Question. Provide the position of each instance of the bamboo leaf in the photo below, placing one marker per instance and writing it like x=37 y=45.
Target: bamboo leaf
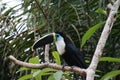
x=7 y=12
x=51 y=77
x=34 y=60
x=109 y=59
x=110 y=75
x=36 y=73
x=23 y=68
x=58 y=75
x=29 y=76
x=57 y=57
x=90 y=32
x=101 y=11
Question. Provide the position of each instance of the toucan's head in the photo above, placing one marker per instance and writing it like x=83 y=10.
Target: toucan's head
x=49 y=38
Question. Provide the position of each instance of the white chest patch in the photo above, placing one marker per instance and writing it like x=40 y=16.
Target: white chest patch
x=60 y=44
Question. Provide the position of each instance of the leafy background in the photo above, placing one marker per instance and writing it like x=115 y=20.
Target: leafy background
x=81 y=20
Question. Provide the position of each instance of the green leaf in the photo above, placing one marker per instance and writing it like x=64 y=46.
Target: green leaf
x=36 y=73
x=34 y=60
x=87 y=61
x=57 y=57
x=98 y=71
x=76 y=30
x=58 y=75
x=7 y=12
x=67 y=77
x=23 y=68
x=110 y=59
x=29 y=76
x=90 y=32
x=43 y=72
x=101 y=11
x=110 y=75
x=40 y=1
x=51 y=77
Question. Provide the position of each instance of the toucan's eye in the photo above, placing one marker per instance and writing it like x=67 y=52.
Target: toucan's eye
x=57 y=35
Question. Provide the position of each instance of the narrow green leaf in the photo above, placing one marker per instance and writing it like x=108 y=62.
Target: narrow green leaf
x=29 y=76
x=109 y=59
x=90 y=32
x=76 y=30
x=34 y=60
x=101 y=11
x=36 y=73
x=57 y=57
x=110 y=75
x=67 y=77
x=7 y=12
x=58 y=75
x=98 y=71
x=43 y=71
x=51 y=77
x=10 y=10
x=40 y=1
x=23 y=69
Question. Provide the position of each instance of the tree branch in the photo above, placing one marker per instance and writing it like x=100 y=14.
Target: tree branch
x=45 y=65
x=100 y=46
x=37 y=2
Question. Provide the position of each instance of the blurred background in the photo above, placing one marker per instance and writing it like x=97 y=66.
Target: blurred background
x=22 y=22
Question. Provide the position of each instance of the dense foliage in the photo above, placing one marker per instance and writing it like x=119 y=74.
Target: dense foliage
x=81 y=20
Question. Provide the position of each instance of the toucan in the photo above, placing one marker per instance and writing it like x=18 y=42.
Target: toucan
x=66 y=49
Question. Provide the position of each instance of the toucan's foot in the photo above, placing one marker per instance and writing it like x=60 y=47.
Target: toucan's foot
x=72 y=67
x=63 y=67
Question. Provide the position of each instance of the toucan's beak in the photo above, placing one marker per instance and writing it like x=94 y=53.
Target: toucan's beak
x=44 y=40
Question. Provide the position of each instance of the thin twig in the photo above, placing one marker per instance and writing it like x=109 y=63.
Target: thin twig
x=37 y=2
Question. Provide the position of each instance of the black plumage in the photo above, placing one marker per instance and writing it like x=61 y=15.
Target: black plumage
x=72 y=55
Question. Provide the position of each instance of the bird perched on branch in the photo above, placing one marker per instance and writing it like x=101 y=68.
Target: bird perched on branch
x=66 y=49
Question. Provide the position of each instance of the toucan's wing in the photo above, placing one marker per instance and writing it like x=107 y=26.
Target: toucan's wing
x=75 y=57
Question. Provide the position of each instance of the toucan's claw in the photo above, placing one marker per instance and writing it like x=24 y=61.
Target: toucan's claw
x=63 y=67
